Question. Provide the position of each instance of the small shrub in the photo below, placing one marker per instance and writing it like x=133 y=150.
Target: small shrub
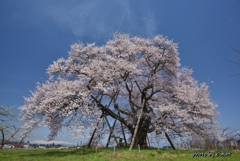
x=159 y=152
x=152 y=154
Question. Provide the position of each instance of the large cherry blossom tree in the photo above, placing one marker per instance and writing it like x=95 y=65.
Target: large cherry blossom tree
x=133 y=80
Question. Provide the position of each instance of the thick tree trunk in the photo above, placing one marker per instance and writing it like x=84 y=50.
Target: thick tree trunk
x=140 y=138
x=143 y=141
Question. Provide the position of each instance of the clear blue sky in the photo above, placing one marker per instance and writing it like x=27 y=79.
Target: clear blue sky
x=35 y=33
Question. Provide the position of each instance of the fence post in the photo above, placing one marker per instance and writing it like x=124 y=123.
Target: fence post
x=227 y=145
x=232 y=144
x=178 y=146
x=138 y=148
x=236 y=145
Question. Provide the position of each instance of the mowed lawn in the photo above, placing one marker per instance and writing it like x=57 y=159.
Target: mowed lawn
x=107 y=155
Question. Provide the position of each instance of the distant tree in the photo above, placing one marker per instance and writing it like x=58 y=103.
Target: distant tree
x=133 y=80
x=218 y=137
x=7 y=130
x=230 y=134
x=234 y=62
x=6 y=112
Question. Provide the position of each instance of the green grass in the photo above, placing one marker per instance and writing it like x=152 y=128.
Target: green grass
x=107 y=155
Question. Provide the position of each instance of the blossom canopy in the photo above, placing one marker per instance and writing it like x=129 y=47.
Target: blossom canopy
x=117 y=80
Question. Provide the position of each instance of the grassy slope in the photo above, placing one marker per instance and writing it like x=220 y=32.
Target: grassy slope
x=107 y=155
